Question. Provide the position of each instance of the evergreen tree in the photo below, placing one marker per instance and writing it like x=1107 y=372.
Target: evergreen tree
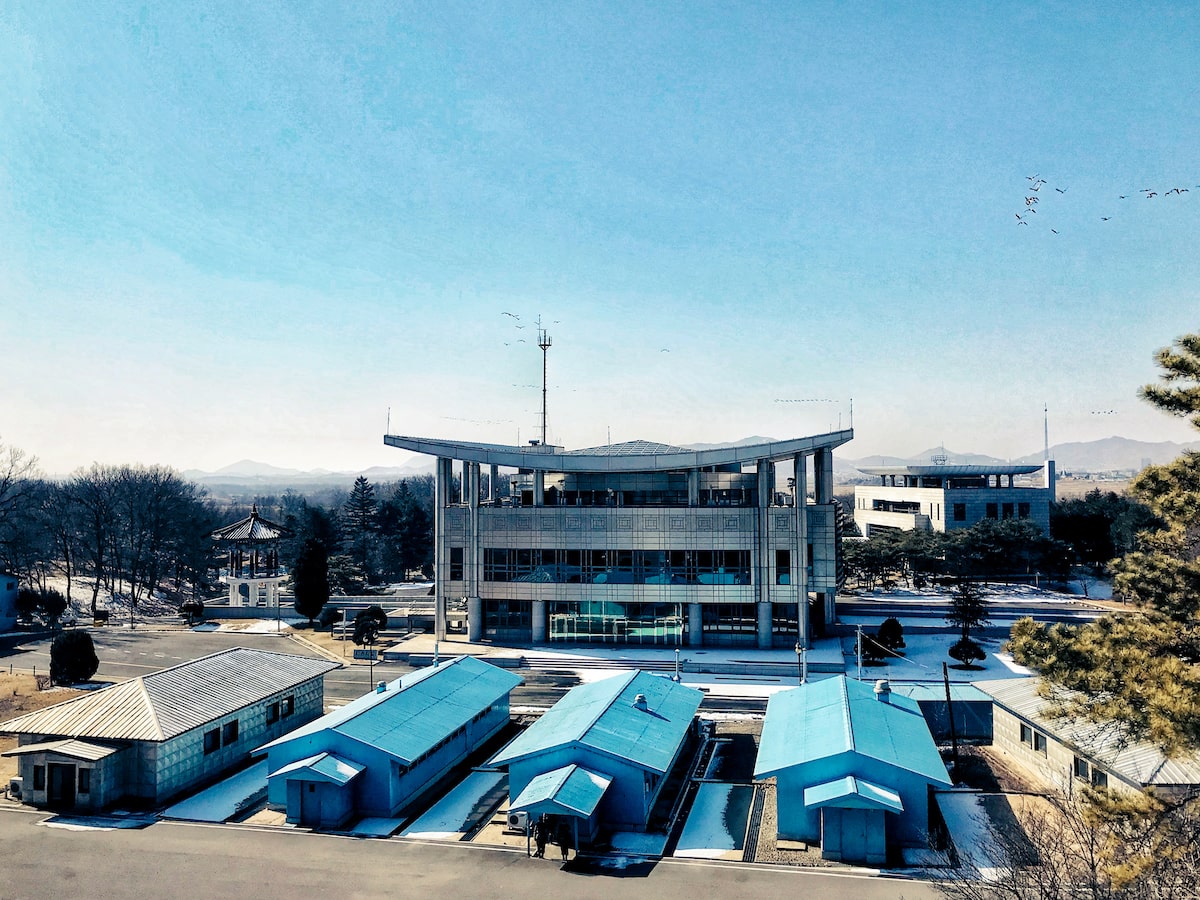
x=72 y=658
x=310 y=580
x=968 y=607
x=1141 y=671
x=358 y=522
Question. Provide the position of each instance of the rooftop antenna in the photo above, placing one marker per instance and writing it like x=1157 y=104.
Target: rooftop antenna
x=544 y=343
x=389 y=421
x=939 y=458
x=1046 y=431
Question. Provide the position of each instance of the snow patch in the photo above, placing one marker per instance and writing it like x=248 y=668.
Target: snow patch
x=225 y=799
x=453 y=814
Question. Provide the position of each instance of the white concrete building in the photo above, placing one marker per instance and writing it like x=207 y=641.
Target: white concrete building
x=8 y=601
x=637 y=542
x=950 y=497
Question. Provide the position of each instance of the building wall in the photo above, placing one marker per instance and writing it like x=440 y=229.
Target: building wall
x=107 y=777
x=8 y=601
x=1053 y=766
x=630 y=528
x=937 y=506
x=387 y=785
x=628 y=800
x=797 y=822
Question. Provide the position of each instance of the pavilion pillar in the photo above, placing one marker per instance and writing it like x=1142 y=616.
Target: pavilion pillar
x=539 y=488
x=538 y=618
x=695 y=614
x=443 y=478
x=693 y=487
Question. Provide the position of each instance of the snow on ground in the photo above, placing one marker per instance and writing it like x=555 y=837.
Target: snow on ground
x=224 y=799
x=1019 y=593
x=376 y=827
x=648 y=843
x=454 y=813
x=709 y=831
x=970 y=828
x=923 y=658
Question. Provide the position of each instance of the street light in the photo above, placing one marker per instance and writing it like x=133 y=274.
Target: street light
x=676 y=665
x=802 y=662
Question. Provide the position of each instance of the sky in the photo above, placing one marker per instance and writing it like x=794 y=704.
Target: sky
x=278 y=231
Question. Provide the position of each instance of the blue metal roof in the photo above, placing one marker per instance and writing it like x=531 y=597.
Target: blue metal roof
x=416 y=710
x=840 y=715
x=570 y=790
x=923 y=691
x=853 y=793
x=602 y=715
x=322 y=767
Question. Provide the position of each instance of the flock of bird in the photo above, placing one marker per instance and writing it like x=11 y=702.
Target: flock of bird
x=1034 y=197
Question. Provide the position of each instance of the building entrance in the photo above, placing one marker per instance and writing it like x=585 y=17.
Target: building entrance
x=604 y=621
x=60 y=786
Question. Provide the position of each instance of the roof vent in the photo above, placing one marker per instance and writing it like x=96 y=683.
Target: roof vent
x=381 y=688
x=883 y=690
x=639 y=702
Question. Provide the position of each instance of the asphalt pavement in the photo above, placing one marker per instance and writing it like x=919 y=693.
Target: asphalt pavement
x=184 y=860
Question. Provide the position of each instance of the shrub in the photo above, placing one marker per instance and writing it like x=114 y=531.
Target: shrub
x=72 y=658
x=891 y=634
x=966 y=651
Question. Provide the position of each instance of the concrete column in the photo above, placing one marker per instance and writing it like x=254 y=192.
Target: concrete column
x=493 y=477
x=693 y=477
x=695 y=625
x=442 y=479
x=800 y=549
x=761 y=556
x=539 y=488
x=539 y=621
x=472 y=562
x=764 y=625
x=823 y=475
x=474 y=620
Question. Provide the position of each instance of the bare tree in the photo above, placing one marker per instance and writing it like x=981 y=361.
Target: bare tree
x=18 y=471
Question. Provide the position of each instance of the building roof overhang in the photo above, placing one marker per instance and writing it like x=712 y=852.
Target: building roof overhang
x=549 y=458
x=949 y=471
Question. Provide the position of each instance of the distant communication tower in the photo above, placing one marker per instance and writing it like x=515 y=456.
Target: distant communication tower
x=939 y=458
x=544 y=343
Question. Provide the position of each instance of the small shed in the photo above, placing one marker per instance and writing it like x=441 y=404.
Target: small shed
x=854 y=765
x=600 y=756
x=147 y=740
x=972 y=709
x=379 y=753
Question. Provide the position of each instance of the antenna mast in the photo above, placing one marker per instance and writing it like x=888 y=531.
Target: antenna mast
x=544 y=343
x=1046 y=430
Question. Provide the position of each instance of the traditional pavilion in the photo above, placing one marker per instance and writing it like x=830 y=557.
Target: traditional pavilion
x=252 y=570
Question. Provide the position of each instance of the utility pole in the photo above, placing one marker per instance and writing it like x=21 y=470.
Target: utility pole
x=858 y=649
x=544 y=343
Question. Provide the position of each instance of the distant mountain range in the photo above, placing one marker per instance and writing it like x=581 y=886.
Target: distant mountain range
x=1111 y=454
x=1107 y=455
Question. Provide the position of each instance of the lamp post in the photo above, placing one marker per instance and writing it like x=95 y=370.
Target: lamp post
x=676 y=665
x=802 y=662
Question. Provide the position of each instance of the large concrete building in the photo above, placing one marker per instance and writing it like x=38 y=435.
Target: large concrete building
x=949 y=497
x=637 y=542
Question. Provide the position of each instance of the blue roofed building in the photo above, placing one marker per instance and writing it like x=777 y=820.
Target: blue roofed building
x=600 y=756
x=854 y=766
x=379 y=753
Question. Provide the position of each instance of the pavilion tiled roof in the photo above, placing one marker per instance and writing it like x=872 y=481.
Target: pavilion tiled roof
x=251 y=530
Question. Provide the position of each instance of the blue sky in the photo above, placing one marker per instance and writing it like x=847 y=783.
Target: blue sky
x=249 y=230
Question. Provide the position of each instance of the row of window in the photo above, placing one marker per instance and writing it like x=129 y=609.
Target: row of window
x=1081 y=769
x=84 y=780
x=610 y=566
x=224 y=735
x=994 y=511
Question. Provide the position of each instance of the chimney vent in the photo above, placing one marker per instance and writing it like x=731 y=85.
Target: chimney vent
x=381 y=688
x=640 y=702
x=883 y=690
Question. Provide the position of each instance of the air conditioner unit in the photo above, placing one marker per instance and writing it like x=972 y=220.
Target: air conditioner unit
x=518 y=821
x=16 y=787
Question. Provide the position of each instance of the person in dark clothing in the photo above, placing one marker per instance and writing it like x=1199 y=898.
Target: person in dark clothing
x=564 y=838
x=539 y=837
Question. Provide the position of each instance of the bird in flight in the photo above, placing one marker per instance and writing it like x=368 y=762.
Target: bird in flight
x=1054 y=230
x=1105 y=218
x=514 y=315
x=1061 y=190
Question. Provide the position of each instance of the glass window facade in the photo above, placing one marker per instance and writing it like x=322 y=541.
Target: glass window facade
x=510 y=620
x=729 y=624
x=551 y=566
x=625 y=623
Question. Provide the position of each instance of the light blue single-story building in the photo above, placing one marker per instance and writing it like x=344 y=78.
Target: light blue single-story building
x=600 y=756
x=854 y=765
x=378 y=754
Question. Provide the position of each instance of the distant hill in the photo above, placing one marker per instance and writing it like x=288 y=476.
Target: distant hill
x=1111 y=454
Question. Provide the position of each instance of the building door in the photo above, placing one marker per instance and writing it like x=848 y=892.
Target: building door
x=310 y=805
x=60 y=786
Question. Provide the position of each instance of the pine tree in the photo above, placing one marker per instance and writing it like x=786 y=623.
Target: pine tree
x=359 y=514
x=1141 y=671
x=310 y=580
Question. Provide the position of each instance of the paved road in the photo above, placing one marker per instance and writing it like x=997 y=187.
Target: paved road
x=177 y=860
x=124 y=654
